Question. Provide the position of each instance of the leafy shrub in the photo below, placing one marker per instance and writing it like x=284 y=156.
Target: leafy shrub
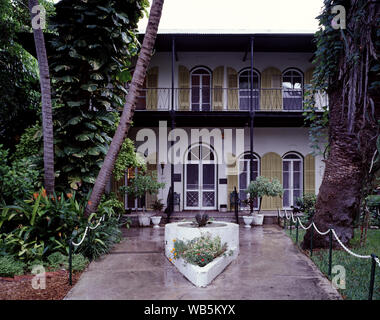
x=17 y=179
x=262 y=186
x=10 y=267
x=56 y=260
x=306 y=203
x=78 y=263
x=199 y=251
x=30 y=143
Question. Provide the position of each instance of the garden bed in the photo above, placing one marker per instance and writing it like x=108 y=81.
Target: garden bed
x=20 y=287
x=357 y=270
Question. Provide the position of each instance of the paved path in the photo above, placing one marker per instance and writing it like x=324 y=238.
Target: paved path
x=269 y=266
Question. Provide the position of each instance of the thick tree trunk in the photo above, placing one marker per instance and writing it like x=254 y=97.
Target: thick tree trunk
x=47 y=117
x=129 y=107
x=339 y=195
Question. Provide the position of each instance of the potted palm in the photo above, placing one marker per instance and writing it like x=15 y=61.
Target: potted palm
x=138 y=187
x=259 y=188
x=157 y=207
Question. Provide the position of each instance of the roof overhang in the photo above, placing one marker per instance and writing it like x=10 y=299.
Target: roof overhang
x=263 y=42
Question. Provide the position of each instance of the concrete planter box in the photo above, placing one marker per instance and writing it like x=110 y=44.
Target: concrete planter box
x=258 y=219
x=144 y=219
x=202 y=276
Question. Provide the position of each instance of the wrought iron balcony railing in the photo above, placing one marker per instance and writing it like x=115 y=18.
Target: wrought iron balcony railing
x=220 y=99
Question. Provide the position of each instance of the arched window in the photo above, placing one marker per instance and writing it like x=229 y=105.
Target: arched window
x=245 y=89
x=292 y=89
x=244 y=176
x=200 y=89
x=200 y=178
x=292 y=178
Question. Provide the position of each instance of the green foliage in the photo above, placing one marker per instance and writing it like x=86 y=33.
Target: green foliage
x=93 y=47
x=307 y=205
x=57 y=260
x=10 y=267
x=127 y=158
x=141 y=184
x=357 y=270
x=157 y=205
x=199 y=251
x=30 y=144
x=262 y=187
x=17 y=179
x=101 y=240
x=111 y=202
x=79 y=262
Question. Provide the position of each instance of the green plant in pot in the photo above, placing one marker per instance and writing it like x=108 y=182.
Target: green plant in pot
x=262 y=187
x=157 y=207
x=138 y=187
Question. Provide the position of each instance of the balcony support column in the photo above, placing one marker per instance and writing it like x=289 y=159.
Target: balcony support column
x=172 y=117
x=251 y=117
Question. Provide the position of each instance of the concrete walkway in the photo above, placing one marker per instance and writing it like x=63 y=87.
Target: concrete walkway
x=269 y=266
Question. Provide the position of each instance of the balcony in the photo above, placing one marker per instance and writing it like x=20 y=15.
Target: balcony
x=220 y=99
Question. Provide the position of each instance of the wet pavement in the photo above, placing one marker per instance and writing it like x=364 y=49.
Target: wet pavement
x=269 y=266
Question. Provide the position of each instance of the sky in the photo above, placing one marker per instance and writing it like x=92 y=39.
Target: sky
x=251 y=16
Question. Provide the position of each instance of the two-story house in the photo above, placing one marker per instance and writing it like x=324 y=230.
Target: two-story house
x=247 y=91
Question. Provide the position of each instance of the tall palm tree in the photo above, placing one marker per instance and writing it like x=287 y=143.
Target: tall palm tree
x=47 y=117
x=129 y=106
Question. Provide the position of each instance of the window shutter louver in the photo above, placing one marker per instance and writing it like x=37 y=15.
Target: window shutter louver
x=152 y=85
x=271 y=94
x=309 y=174
x=184 y=88
x=271 y=167
x=233 y=89
x=217 y=81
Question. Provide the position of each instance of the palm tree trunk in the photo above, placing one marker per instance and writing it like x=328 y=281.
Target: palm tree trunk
x=47 y=117
x=129 y=107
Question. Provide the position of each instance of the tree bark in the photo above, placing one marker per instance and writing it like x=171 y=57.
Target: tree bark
x=129 y=107
x=47 y=117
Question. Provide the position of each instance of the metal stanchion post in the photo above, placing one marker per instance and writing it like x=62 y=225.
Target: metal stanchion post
x=70 y=261
x=330 y=251
x=372 y=280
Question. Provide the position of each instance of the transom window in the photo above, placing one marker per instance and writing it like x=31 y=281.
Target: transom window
x=245 y=89
x=292 y=177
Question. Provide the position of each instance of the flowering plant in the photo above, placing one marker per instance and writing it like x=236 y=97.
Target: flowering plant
x=199 y=251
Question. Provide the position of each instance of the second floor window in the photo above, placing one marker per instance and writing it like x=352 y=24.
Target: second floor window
x=245 y=90
x=292 y=90
x=200 y=90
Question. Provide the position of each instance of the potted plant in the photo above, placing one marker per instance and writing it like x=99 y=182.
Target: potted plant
x=259 y=188
x=157 y=207
x=138 y=187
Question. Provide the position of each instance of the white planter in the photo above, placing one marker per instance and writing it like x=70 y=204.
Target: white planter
x=156 y=221
x=248 y=221
x=258 y=219
x=222 y=209
x=144 y=220
x=202 y=276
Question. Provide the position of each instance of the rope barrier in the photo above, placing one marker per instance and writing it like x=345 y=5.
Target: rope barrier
x=377 y=261
x=302 y=226
x=84 y=236
x=348 y=250
x=321 y=233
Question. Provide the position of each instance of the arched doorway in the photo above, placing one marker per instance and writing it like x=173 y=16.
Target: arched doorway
x=292 y=84
x=200 y=178
x=200 y=89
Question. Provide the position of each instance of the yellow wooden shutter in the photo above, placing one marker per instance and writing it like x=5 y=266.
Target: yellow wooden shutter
x=309 y=168
x=233 y=92
x=232 y=176
x=217 y=85
x=184 y=88
x=271 y=167
x=151 y=169
x=152 y=85
x=271 y=94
